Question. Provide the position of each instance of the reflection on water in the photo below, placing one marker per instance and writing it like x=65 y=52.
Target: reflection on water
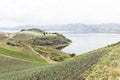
x=82 y=43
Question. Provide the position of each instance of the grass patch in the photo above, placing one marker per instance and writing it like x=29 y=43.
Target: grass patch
x=24 y=54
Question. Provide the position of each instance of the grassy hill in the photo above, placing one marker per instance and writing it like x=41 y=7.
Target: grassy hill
x=34 y=45
x=40 y=38
x=18 y=53
x=100 y=64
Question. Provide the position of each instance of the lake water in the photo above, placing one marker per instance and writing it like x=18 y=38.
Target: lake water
x=82 y=43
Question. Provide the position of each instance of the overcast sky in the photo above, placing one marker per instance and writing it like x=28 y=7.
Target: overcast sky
x=21 y=12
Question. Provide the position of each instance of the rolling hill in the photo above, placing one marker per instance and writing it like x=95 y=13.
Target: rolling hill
x=100 y=64
x=29 y=45
x=38 y=37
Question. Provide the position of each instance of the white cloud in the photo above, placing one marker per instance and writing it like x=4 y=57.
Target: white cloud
x=16 y=12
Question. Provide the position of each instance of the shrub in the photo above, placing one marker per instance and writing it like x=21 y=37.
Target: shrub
x=72 y=55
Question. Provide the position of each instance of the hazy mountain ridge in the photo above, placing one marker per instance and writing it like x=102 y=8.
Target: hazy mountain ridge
x=73 y=28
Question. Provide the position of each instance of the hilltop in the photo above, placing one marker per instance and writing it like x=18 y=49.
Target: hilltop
x=39 y=37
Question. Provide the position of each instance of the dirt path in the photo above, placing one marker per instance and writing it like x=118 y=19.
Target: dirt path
x=11 y=35
x=39 y=54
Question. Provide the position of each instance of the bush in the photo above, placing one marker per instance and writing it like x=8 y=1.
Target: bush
x=10 y=43
x=72 y=55
x=13 y=44
x=23 y=30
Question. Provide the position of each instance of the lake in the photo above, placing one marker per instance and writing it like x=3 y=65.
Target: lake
x=82 y=43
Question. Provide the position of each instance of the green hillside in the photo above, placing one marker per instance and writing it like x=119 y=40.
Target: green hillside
x=10 y=65
x=18 y=53
x=34 y=45
x=100 y=64
x=21 y=54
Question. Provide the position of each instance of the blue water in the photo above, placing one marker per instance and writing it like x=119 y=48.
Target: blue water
x=82 y=43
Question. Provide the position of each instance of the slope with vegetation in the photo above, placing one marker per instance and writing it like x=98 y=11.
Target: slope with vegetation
x=100 y=64
x=34 y=45
x=37 y=37
x=20 y=53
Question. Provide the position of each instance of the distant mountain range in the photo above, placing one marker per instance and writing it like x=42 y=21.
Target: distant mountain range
x=72 y=28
